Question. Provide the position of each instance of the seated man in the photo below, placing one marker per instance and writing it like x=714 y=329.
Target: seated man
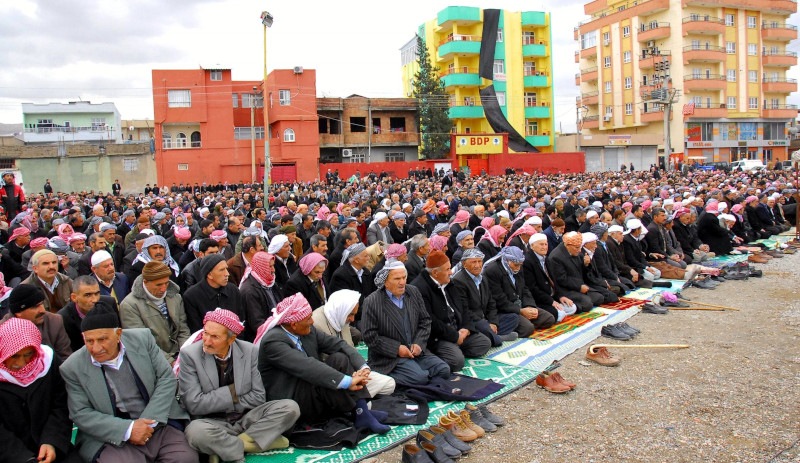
x=659 y=250
x=539 y=282
x=595 y=280
x=112 y=283
x=605 y=264
x=154 y=248
x=221 y=388
x=85 y=296
x=396 y=327
x=27 y=302
x=290 y=364
x=475 y=297
x=35 y=424
x=568 y=268
x=513 y=299
x=155 y=303
x=453 y=335
x=45 y=276
x=122 y=396
x=353 y=273
x=307 y=280
x=214 y=290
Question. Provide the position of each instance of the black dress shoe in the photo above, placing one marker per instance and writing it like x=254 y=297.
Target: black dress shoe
x=649 y=307
x=611 y=331
x=426 y=436
x=414 y=454
x=627 y=329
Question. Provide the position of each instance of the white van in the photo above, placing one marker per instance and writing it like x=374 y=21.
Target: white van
x=747 y=165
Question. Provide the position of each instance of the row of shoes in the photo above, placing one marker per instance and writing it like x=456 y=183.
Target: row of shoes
x=759 y=258
x=448 y=441
x=552 y=381
x=620 y=331
x=705 y=282
x=741 y=271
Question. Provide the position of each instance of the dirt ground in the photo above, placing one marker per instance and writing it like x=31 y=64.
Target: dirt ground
x=734 y=396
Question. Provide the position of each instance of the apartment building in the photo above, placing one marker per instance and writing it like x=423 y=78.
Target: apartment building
x=710 y=74
x=496 y=66
x=73 y=122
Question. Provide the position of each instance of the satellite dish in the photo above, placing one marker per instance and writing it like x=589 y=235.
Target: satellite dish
x=796 y=156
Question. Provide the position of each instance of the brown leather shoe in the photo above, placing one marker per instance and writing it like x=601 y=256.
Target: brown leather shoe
x=774 y=253
x=757 y=259
x=557 y=376
x=457 y=428
x=464 y=415
x=602 y=356
x=548 y=383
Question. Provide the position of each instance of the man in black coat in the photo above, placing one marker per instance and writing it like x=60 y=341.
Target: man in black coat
x=85 y=296
x=616 y=252
x=568 y=268
x=514 y=301
x=453 y=334
x=539 y=282
x=607 y=285
x=310 y=284
x=211 y=292
x=418 y=252
x=353 y=274
x=285 y=265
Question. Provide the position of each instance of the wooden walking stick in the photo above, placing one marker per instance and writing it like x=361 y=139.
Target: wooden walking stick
x=723 y=307
x=640 y=346
x=713 y=309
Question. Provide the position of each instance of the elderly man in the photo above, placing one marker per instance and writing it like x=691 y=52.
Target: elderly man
x=307 y=280
x=515 y=305
x=97 y=242
x=154 y=248
x=568 y=268
x=541 y=286
x=353 y=274
x=35 y=420
x=56 y=286
x=397 y=228
x=122 y=396
x=114 y=244
x=221 y=388
x=18 y=243
x=419 y=249
x=285 y=264
x=237 y=265
x=260 y=294
x=464 y=241
x=610 y=290
x=214 y=290
x=27 y=302
x=343 y=240
x=291 y=368
x=379 y=230
x=659 y=245
x=112 y=283
x=454 y=336
x=84 y=297
x=155 y=303
x=396 y=327
x=221 y=237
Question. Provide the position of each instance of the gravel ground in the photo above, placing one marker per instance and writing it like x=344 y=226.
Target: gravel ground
x=734 y=396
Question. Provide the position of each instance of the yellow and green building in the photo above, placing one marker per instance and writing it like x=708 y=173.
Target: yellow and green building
x=497 y=69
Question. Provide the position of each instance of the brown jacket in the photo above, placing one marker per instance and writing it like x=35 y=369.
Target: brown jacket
x=236 y=268
x=61 y=296
x=53 y=334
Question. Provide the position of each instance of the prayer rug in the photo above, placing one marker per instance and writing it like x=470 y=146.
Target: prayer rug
x=569 y=323
x=624 y=303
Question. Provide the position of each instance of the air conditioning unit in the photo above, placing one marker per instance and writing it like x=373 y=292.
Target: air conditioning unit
x=347 y=153
x=298 y=69
x=607 y=118
x=651 y=43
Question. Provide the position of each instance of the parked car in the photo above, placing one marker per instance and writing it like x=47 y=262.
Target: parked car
x=747 y=165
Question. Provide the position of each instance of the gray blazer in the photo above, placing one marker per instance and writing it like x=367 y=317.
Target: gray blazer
x=90 y=406
x=382 y=327
x=199 y=381
x=281 y=364
x=374 y=235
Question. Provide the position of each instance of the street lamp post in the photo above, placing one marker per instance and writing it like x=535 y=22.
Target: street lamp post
x=253 y=136
x=266 y=21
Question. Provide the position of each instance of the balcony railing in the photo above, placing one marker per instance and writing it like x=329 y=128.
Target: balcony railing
x=781 y=53
x=590 y=118
x=71 y=129
x=769 y=80
x=539 y=72
x=704 y=77
x=531 y=102
x=703 y=18
x=771 y=25
x=779 y=106
x=458 y=70
x=704 y=48
x=652 y=26
x=461 y=38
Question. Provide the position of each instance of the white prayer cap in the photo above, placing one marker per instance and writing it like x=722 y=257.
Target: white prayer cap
x=535 y=238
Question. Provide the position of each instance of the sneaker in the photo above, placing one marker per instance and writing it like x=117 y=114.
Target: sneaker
x=477 y=418
x=611 y=331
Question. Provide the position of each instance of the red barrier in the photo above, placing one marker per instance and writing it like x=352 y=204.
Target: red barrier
x=394 y=169
x=548 y=163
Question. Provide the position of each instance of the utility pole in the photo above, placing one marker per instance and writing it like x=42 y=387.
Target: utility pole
x=579 y=125
x=664 y=96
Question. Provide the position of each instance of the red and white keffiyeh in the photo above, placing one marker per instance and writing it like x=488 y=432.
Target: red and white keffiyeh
x=17 y=334
x=290 y=310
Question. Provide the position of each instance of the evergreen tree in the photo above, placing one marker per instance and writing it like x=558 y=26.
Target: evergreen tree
x=432 y=107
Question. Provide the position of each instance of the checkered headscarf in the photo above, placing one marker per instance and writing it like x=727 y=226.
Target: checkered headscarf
x=17 y=334
x=292 y=309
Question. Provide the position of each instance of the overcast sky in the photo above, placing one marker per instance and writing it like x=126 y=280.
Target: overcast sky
x=92 y=50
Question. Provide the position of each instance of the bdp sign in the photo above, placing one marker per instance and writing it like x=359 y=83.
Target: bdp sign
x=479 y=144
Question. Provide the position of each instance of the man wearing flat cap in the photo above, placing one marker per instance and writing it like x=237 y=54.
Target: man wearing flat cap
x=212 y=291
x=155 y=303
x=27 y=302
x=221 y=387
x=122 y=396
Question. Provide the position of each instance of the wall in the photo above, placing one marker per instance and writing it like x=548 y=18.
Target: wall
x=394 y=169
x=536 y=162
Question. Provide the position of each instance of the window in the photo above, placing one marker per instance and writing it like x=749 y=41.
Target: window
x=588 y=40
x=626 y=31
x=628 y=108
x=98 y=123
x=358 y=124
x=606 y=61
x=609 y=110
x=183 y=166
x=499 y=35
x=180 y=140
x=166 y=140
x=752 y=103
x=752 y=49
x=397 y=124
x=608 y=87
x=394 y=157
x=130 y=164
x=696 y=73
x=530 y=99
x=529 y=68
x=752 y=76
x=531 y=128
x=730 y=48
x=528 y=38
x=195 y=140
x=247 y=100
x=235 y=99
x=244 y=133
x=216 y=75
x=731 y=102
x=729 y=19
x=626 y=57
x=8 y=163
x=747 y=131
x=751 y=22
x=628 y=82
x=499 y=68
x=356 y=157
x=606 y=38
x=284 y=97
x=731 y=75
x=501 y=98
x=288 y=135
x=179 y=98
x=376 y=125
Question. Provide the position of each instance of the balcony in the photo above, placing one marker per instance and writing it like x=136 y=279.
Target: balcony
x=589 y=52
x=606 y=12
x=698 y=82
x=591 y=122
x=704 y=54
x=541 y=80
x=709 y=110
x=589 y=74
x=785 y=111
x=465 y=112
x=653 y=115
x=458 y=15
x=660 y=62
x=533 y=18
x=779 y=59
x=590 y=98
x=773 y=6
x=777 y=31
x=534 y=50
x=538 y=140
x=577 y=57
x=778 y=85
x=653 y=31
x=461 y=77
x=703 y=25
x=459 y=45
x=532 y=111
x=50 y=133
